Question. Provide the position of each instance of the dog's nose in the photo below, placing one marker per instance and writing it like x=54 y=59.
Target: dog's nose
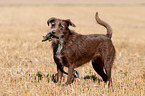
x=53 y=32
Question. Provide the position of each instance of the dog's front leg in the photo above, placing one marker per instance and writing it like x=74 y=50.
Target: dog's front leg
x=60 y=74
x=70 y=74
x=59 y=70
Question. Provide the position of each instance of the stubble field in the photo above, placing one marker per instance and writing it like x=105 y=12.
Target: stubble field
x=22 y=54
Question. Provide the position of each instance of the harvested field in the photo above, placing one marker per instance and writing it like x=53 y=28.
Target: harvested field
x=22 y=54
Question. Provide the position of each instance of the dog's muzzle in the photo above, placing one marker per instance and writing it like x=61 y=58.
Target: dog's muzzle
x=47 y=37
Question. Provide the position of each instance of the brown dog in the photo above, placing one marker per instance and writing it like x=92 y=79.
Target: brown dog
x=72 y=50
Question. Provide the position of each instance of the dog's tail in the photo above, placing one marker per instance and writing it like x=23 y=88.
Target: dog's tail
x=106 y=25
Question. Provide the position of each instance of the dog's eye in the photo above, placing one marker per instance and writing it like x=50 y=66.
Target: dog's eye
x=53 y=25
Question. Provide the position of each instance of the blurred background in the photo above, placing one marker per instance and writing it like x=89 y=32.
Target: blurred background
x=71 y=2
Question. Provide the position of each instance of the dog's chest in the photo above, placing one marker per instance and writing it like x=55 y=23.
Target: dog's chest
x=59 y=50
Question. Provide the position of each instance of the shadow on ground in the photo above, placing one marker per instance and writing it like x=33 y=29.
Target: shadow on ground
x=39 y=76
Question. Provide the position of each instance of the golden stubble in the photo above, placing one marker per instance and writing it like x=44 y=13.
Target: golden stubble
x=22 y=54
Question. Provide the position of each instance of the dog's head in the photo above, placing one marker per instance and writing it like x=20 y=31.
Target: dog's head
x=58 y=28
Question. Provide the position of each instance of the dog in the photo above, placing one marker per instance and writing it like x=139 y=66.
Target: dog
x=72 y=50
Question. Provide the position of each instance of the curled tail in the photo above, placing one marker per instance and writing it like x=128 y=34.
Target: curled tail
x=106 y=25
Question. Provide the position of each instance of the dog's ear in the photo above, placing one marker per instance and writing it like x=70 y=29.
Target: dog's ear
x=51 y=20
x=68 y=21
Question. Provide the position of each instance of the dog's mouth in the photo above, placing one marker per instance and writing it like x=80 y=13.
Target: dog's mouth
x=49 y=37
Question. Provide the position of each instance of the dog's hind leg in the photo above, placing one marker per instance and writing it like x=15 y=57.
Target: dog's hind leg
x=108 y=73
x=98 y=67
x=108 y=66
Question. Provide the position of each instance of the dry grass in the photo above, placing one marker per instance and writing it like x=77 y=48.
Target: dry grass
x=22 y=54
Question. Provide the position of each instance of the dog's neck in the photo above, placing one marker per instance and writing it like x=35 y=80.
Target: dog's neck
x=68 y=35
x=66 y=39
